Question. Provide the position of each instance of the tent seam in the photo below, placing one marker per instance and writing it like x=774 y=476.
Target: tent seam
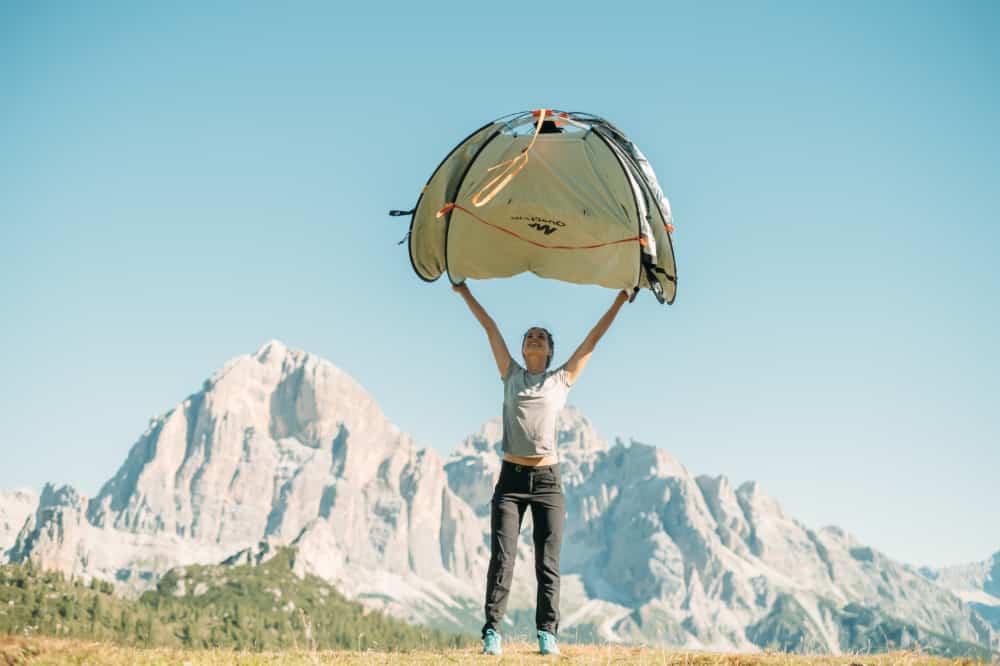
x=458 y=188
x=413 y=215
x=635 y=202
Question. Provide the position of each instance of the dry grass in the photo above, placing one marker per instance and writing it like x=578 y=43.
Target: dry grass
x=42 y=650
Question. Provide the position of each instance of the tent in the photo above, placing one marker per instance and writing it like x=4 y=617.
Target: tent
x=564 y=195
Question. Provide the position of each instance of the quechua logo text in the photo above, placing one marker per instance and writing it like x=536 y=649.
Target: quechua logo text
x=543 y=224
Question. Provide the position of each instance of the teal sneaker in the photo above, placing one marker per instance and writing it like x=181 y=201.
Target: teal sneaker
x=491 y=643
x=547 y=643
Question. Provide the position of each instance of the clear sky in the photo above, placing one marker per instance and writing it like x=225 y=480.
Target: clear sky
x=179 y=185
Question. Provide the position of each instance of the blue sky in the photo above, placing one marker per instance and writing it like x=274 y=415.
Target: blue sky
x=180 y=185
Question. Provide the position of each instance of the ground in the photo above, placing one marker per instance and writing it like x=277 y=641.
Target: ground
x=42 y=650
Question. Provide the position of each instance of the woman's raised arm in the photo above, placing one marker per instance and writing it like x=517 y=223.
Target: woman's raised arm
x=500 y=352
x=574 y=366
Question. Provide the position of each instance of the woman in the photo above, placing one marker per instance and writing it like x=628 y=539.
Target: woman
x=529 y=474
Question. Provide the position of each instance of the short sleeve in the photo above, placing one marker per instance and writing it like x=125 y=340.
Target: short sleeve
x=562 y=376
x=512 y=367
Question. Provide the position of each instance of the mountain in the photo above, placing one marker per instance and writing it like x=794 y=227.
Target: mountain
x=279 y=445
x=15 y=506
x=978 y=584
x=282 y=448
x=666 y=557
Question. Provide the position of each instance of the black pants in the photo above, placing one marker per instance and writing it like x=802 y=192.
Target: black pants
x=521 y=487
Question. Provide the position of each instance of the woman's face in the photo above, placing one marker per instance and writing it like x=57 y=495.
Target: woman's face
x=536 y=343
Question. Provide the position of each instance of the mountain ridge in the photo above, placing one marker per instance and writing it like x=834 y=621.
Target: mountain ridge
x=283 y=447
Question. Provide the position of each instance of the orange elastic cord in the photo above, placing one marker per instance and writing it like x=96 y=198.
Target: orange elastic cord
x=453 y=206
x=513 y=165
x=669 y=227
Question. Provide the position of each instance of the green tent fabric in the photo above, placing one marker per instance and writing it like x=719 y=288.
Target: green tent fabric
x=566 y=196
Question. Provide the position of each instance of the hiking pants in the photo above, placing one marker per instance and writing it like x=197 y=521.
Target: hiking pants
x=518 y=488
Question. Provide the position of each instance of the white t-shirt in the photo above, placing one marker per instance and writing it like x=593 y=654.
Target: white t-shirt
x=531 y=404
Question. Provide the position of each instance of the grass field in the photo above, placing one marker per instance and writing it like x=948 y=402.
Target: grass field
x=41 y=650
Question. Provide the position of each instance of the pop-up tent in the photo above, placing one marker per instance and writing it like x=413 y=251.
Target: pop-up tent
x=564 y=195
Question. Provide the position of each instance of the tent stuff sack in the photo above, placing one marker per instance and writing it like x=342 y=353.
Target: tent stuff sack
x=566 y=196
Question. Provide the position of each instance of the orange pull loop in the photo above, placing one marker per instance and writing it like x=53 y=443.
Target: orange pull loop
x=513 y=167
x=444 y=210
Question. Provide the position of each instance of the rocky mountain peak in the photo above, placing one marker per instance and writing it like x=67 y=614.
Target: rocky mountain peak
x=223 y=455
x=273 y=349
x=978 y=584
x=56 y=497
x=639 y=460
x=15 y=508
x=49 y=536
x=754 y=499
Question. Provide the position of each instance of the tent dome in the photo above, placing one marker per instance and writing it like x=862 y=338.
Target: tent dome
x=566 y=196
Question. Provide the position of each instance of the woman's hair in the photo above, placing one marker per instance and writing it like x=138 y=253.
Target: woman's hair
x=552 y=343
